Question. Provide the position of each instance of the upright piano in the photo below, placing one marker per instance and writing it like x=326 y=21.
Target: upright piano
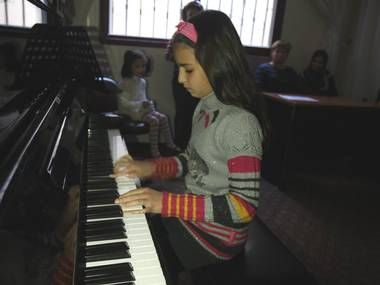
x=54 y=143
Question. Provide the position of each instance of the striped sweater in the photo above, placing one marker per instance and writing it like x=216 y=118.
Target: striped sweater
x=221 y=167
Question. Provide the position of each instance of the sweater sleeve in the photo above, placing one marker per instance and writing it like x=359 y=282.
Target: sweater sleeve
x=170 y=167
x=243 y=161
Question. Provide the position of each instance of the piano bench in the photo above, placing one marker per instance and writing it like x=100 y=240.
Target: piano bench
x=265 y=261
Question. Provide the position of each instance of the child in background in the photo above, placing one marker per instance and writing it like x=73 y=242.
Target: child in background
x=134 y=102
x=276 y=75
x=317 y=77
x=207 y=222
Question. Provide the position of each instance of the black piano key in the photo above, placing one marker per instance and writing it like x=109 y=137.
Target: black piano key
x=100 y=184
x=103 y=177
x=90 y=190
x=104 y=228
x=106 y=193
x=109 y=251
x=100 y=196
x=100 y=187
x=122 y=272
x=99 y=166
x=98 y=249
x=92 y=273
x=106 y=162
x=125 y=277
x=103 y=212
x=97 y=179
x=104 y=225
x=100 y=201
x=105 y=236
x=98 y=174
x=96 y=171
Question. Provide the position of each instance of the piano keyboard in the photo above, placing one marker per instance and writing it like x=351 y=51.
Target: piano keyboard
x=114 y=249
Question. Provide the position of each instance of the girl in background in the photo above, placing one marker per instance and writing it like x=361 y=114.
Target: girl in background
x=134 y=102
x=317 y=78
x=207 y=219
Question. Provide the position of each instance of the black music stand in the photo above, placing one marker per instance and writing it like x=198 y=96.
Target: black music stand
x=58 y=54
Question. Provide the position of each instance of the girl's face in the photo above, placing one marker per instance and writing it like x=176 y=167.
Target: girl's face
x=318 y=64
x=191 y=73
x=139 y=67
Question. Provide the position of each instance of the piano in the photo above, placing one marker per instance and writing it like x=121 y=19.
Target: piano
x=112 y=248
x=54 y=143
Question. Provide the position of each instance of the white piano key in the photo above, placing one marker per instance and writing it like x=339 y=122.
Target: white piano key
x=145 y=262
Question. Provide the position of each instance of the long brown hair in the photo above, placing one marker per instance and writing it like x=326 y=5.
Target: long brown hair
x=222 y=56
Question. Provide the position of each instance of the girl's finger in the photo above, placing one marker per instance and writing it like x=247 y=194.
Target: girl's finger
x=132 y=200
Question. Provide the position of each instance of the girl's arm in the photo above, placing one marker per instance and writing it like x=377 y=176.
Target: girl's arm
x=162 y=168
x=239 y=205
x=126 y=103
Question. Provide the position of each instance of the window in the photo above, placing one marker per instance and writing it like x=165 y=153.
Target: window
x=153 y=22
x=20 y=13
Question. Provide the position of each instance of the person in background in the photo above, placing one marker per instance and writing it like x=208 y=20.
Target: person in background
x=317 y=78
x=184 y=103
x=207 y=216
x=133 y=101
x=276 y=75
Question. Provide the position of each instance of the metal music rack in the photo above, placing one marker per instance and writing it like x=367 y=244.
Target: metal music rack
x=57 y=53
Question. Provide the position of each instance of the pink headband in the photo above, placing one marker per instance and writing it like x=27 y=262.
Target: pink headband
x=188 y=30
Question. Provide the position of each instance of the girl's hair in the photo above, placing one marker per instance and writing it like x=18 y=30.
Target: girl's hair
x=222 y=56
x=130 y=57
x=320 y=53
x=196 y=5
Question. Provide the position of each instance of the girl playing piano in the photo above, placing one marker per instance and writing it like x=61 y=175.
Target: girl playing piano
x=134 y=102
x=207 y=221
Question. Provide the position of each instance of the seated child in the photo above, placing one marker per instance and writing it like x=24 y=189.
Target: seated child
x=133 y=100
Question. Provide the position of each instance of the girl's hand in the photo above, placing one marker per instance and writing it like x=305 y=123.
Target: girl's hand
x=126 y=166
x=150 y=199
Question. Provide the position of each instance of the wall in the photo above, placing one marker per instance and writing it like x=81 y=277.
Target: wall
x=304 y=30
x=303 y=27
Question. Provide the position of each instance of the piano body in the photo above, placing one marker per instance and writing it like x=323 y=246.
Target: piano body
x=53 y=144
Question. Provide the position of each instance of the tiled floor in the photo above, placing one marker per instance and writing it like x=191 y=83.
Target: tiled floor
x=331 y=224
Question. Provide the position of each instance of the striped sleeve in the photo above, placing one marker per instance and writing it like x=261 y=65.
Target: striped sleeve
x=244 y=184
x=170 y=167
x=188 y=207
x=166 y=167
x=237 y=206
